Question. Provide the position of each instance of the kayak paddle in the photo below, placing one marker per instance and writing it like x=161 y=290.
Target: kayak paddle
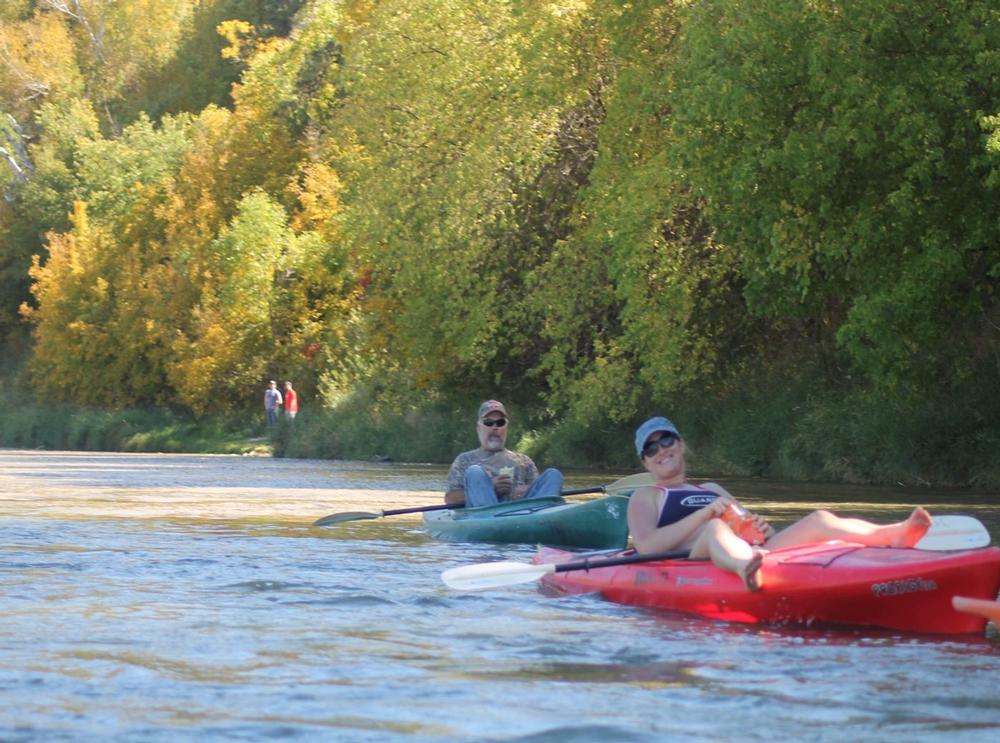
x=945 y=534
x=498 y=574
x=337 y=518
x=626 y=483
x=988 y=609
x=954 y=533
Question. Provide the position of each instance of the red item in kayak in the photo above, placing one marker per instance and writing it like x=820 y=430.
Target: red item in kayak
x=835 y=583
x=741 y=522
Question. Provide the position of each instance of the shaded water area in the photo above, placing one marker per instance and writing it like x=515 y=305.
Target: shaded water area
x=166 y=597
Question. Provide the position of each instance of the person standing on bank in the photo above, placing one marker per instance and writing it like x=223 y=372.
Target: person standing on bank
x=272 y=401
x=493 y=473
x=291 y=402
x=675 y=514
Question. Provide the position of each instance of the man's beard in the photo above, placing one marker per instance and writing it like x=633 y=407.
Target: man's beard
x=494 y=442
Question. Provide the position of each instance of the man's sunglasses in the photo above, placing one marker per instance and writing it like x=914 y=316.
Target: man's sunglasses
x=496 y=423
x=664 y=442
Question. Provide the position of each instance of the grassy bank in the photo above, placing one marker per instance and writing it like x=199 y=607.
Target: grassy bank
x=779 y=430
x=48 y=427
x=784 y=432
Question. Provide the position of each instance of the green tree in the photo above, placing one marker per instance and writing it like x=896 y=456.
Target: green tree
x=450 y=119
x=839 y=151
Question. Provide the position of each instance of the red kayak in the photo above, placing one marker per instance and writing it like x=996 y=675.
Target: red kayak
x=836 y=583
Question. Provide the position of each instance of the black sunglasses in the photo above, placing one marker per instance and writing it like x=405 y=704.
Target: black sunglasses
x=496 y=423
x=664 y=442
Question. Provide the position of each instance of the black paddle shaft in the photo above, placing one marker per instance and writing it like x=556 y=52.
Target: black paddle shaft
x=418 y=509
x=337 y=518
x=608 y=562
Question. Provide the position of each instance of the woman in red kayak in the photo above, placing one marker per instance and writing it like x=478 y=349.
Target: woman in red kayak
x=674 y=514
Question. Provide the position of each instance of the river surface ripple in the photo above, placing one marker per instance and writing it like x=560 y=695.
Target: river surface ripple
x=166 y=597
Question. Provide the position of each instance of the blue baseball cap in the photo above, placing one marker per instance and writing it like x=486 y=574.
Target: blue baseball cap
x=647 y=429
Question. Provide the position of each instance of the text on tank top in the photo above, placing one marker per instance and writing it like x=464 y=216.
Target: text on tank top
x=679 y=502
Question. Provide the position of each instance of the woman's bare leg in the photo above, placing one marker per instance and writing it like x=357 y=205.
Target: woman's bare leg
x=820 y=526
x=718 y=543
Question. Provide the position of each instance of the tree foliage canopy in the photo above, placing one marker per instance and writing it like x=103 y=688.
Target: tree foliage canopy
x=598 y=207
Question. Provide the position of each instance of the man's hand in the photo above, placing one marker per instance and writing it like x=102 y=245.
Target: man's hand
x=502 y=485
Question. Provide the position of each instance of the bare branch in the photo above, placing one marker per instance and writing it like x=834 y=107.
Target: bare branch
x=73 y=10
x=16 y=155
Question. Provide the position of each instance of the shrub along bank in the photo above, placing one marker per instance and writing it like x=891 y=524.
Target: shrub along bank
x=781 y=433
x=44 y=427
x=778 y=430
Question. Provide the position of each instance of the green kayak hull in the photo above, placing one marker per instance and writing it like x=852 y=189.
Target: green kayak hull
x=598 y=524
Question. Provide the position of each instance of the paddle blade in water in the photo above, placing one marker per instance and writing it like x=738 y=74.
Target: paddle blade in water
x=493 y=575
x=337 y=518
x=954 y=533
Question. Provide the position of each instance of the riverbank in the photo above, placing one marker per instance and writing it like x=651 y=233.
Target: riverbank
x=136 y=430
x=916 y=444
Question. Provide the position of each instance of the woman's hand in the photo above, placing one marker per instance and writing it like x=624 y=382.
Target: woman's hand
x=716 y=508
x=765 y=528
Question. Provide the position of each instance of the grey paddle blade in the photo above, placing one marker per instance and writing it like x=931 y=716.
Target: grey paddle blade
x=337 y=518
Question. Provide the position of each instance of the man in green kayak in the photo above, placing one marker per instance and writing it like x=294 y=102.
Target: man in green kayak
x=493 y=473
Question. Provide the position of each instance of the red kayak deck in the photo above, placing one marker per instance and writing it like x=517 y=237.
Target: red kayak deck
x=834 y=583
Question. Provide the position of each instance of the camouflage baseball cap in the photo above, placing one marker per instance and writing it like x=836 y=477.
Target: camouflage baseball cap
x=491 y=406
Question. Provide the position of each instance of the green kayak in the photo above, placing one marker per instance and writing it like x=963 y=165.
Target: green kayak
x=597 y=524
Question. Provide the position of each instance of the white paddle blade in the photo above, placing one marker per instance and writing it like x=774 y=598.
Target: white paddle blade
x=493 y=575
x=954 y=533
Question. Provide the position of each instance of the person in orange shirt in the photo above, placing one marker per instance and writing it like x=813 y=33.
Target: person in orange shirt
x=291 y=401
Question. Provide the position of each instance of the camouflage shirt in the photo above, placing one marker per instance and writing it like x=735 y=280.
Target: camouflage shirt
x=493 y=462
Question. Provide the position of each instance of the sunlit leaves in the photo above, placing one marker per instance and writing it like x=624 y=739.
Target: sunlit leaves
x=230 y=342
x=600 y=205
x=454 y=111
x=37 y=62
x=82 y=323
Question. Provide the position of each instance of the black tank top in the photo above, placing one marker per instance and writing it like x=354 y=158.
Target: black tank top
x=682 y=501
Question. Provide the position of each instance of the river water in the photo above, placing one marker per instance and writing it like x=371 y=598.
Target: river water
x=166 y=597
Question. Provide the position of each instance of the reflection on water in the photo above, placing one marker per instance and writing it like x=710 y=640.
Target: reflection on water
x=151 y=597
x=656 y=674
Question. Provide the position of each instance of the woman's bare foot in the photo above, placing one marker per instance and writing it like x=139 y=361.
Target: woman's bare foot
x=913 y=529
x=750 y=572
